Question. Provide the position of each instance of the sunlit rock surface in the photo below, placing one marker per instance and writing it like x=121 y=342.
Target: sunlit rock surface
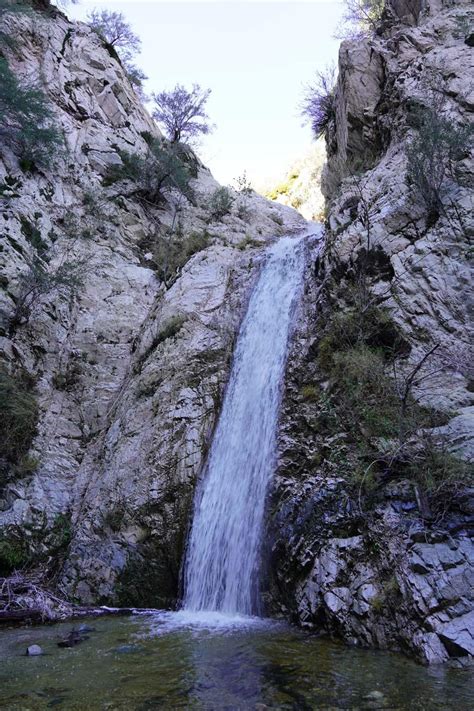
x=129 y=374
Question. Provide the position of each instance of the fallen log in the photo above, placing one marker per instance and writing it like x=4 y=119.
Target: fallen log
x=19 y=616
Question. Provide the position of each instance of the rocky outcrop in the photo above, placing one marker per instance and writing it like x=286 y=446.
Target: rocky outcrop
x=128 y=372
x=381 y=569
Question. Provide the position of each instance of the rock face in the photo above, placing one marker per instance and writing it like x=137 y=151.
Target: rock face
x=128 y=372
x=385 y=573
x=129 y=369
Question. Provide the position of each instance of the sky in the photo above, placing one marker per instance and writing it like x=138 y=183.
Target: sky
x=255 y=56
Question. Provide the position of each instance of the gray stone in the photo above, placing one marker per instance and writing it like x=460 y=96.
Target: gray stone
x=34 y=650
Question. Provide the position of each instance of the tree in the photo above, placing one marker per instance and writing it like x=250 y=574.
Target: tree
x=361 y=17
x=116 y=31
x=182 y=113
x=42 y=279
x=318 y=107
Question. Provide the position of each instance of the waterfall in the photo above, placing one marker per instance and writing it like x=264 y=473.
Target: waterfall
x=221 y=570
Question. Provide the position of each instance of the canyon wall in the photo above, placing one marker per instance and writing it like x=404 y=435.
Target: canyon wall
x=371 y=528
x=127 y=367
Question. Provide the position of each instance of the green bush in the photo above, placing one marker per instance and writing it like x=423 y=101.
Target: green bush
x=248 y=241
x=387 y=431
x=13 y=555
x=220 y=203
x=171 y=251
x=161 y=168
x=170 y=329
x=309 y=392
x=432 y=154
x=26 y=120
x=366 y=393
x=371 y=326
x=39 y=280
x=18 y=415
x=437 y=470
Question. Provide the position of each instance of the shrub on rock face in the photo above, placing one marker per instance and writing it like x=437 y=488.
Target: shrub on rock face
x=13 y=555
x=18 y=415
x=171 y=250
x=361 y=17
x=161 y=168
x=40 y=280
x=432 y=154
x=220 y=203
x=318 y=107
x=26 y=121
x=371 y=399
x=119 y=37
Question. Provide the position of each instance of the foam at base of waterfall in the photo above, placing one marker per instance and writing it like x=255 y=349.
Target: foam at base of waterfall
x=164 y=622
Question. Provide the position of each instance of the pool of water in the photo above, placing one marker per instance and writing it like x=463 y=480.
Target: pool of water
x=177 y=661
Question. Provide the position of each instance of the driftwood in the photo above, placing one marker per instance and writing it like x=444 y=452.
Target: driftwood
x=20 y=616
x=24 y=599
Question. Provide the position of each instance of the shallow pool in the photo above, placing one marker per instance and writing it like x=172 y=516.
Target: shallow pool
x=168 y=661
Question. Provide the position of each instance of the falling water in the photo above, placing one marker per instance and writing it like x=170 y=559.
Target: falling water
x=221 y=572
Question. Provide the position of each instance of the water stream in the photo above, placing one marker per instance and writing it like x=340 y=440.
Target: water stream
x=221 y=572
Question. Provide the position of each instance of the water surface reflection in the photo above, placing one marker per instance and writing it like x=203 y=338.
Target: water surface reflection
x=161 y=662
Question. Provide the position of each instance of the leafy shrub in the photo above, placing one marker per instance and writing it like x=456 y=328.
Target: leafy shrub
x=243 y=184
x=244 y=211
x=171 y=251
x=170 y=329
x=13 y=555
x=309 y=392
x=318 y=107
x=372 y=327
x=41 y=279
x=161 y=168
x=68 y=379
x=248 y=241
x=26 y=120
x=18 y=415
x=367 y=394
x=432 y=153
x=220 y=203
x=361 y=17
x=118 y=36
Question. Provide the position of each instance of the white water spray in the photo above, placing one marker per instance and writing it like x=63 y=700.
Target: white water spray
x=221 y=571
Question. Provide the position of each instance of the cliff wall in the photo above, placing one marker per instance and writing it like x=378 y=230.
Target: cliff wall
x=371 y=514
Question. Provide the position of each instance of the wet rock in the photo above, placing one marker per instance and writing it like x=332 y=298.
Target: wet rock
x=74 y=638
x=84 y=628
x=34 y=650
x=458 y=635
x=128 y=649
